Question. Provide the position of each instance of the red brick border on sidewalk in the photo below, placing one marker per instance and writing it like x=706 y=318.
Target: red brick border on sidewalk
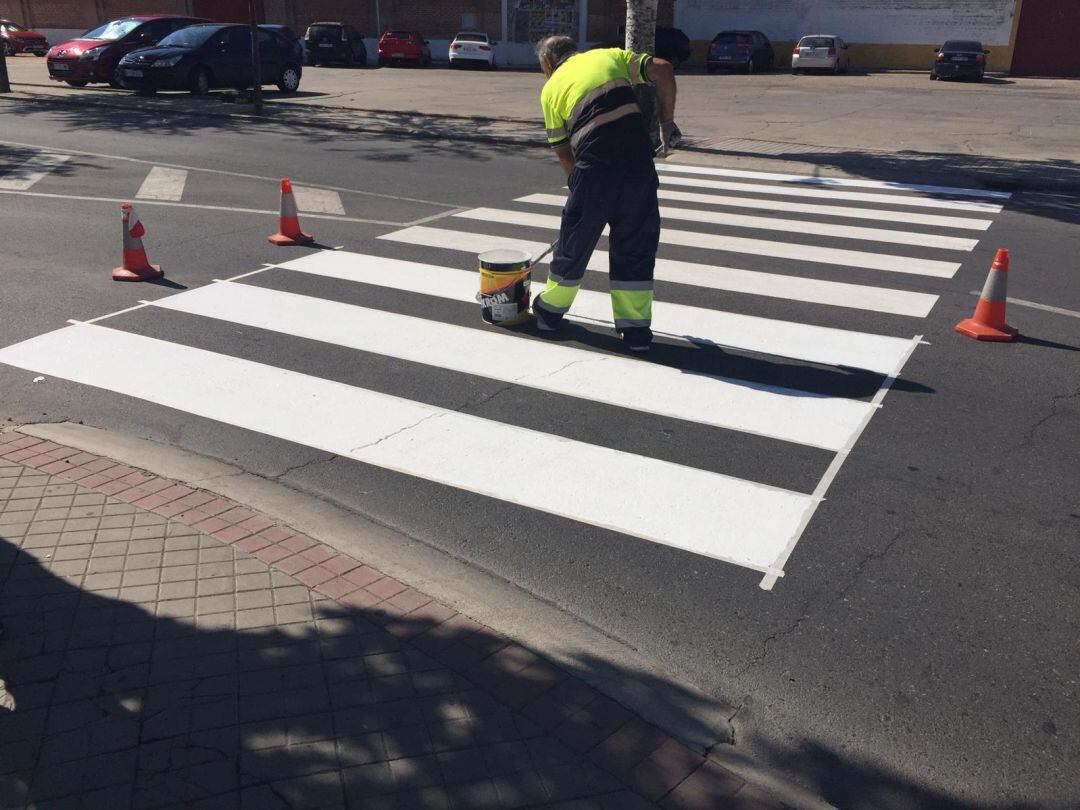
x=648 y=760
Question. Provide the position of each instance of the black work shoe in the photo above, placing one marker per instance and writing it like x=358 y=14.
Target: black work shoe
x=546 y=321
x=637 y=338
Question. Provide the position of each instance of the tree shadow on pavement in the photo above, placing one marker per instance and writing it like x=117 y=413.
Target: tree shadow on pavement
x=217 y=683
x=473 y=140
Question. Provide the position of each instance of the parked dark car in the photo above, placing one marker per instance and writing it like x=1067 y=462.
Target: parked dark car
x=334 y=43
x=286 y=32
x=202 y=57
x=673 y=45
x=746 y=51
x=94 y=57
x=15 y=39
x=959 y=59
x=397 y=47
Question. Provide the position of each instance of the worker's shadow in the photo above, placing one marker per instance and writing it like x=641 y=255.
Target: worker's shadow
x=693 y=355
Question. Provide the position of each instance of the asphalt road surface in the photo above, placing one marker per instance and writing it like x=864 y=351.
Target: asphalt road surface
x=812 y=499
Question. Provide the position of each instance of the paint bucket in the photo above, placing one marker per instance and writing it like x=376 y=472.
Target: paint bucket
x=505 y=276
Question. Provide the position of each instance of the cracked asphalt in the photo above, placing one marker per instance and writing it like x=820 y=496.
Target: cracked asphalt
x=924 y=655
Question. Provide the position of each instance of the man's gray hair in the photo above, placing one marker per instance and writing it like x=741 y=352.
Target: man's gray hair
x=552 y=51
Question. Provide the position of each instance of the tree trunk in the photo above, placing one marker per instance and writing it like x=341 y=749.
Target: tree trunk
x=641 y=38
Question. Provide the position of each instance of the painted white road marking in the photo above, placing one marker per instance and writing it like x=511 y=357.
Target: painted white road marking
x=751 y=282
x=163 y=184
x=26 y=174
x=760 y=247
x=815 y=180
x=729 y=220
x=706 y=513
x=845 y=211
x=831 y=194
x=815 y=344
x=778 y=413
x=318 y=200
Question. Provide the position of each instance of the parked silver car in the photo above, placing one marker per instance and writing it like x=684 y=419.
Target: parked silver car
x=820 y=52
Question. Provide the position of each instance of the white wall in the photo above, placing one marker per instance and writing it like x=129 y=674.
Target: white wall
x=901 y=22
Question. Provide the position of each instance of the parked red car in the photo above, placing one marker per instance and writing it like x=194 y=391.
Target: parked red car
x=15 y=39
x=403 y=46
x=93 y=57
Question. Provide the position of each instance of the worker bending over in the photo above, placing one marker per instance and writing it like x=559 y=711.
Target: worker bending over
x=602 y=141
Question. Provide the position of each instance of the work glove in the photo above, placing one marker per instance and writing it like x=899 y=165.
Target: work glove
x=670 y=135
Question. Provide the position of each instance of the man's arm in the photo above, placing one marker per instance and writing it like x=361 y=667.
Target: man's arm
x=661 y=74
x=566 y=157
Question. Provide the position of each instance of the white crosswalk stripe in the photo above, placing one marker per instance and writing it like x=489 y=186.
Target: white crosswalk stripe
x=791 y=225
x=848 y=212
x=318 y=200
x=887 y=262
x=339 y=299
x=834 y=194
x=25 y=175
x=163 y=184
x=753 y=282
x=840 y=182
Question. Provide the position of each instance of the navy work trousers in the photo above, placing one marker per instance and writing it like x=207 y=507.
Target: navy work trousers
x=625 y=201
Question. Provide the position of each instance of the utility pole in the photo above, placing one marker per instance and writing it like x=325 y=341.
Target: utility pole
x=256 y=60
x=641 y=38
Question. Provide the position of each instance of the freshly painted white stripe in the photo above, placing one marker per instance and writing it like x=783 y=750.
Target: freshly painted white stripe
x=1020 y=302
x=163 y=184
x=777 y=568
x=829 y=194
x=702 y=512
x=759 y=247
x=816 y=344
x=791 y=226
x=778 y=413
x=318 y=200
x=750 y=282
x=814 y=180
x=848 y=212
x=27 y=173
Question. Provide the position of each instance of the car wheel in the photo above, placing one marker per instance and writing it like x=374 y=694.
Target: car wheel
x=7 y=50
x=199 y=82
x=749 y=66
x=115 y=80
x=795 y=71
x=933 y=78
x=77 y=84
x=289 y=81
x=491 y=64
x=39 y=55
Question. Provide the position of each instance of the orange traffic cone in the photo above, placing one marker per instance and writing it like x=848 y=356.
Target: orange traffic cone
x=289 y=232
x=135 y=267
x=988 y=322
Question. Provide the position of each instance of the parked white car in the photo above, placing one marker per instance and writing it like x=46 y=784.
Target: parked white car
x=820 y=52
x=472 y=48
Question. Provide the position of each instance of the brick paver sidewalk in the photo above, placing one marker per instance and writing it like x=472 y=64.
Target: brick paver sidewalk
x=162 y=647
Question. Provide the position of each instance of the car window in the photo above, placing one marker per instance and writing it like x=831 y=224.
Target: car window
x=155 y=30
x=191 y=37
x=816 y=42
x=238 y=40
x=471 y=38
x=730 y=37
x=10 y=26
x=267 y=39
x=962 y=45
x=112 y=31
x=324 y=30
x=398 y=34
